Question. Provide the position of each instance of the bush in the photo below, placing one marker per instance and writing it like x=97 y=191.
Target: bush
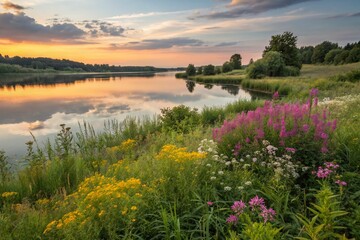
x=209 y=70
x=353 y=76
x=274 y=64
x=257 y=69
x=181 y=119
x=227 y=67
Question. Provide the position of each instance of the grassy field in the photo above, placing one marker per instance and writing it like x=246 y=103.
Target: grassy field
x=281 y=169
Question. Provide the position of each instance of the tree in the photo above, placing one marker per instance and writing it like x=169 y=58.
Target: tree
x=329 y=57
x=235 y=60
x=251 y=61
x=227 y=67
x=354 y=55
x=191 y=70
x=341 y=57
x=257 y=69
x=209 y=70
x=286 y=45
x=321 y=50
x=199 y=70
x=274 y=63
x=306 y=54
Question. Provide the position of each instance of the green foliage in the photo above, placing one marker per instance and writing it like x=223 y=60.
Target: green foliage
x=286 y=45
x=341 y=57
x=257 y=70
x=321 y=50
x=330 y=56
x=354 y=55
x=326 y=213
x=191 y=70
x=209 y=70
x=180 y=119
x=262 y=231
x=353 y=76
x=4 y=168
x=235 y=61
x=274 y=63
x=199 y=70
x=291 y=71
x=181 y=75
x=306 y=54
x=227 y=67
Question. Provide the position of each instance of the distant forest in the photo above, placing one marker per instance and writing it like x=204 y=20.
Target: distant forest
x=330 y=53
x=42 y=64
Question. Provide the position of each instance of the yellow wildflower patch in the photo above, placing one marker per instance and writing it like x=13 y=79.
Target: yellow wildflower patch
x=171 y=152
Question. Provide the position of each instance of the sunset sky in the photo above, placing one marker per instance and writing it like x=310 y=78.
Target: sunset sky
x=168 y=33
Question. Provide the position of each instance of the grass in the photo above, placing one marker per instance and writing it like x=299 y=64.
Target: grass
x=141 y=180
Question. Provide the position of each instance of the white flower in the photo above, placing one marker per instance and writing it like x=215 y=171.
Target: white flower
x=221 y=183
x=241 y=160
x=265 y=142
x=246 y=165
x=247 y=156
x=248 y=183
x=208 y=165
x=240 y=188
x=228 y=163
x=213 y=173
x=254 y=159
x=227 y=188
x=213 y=178
x=220 y=172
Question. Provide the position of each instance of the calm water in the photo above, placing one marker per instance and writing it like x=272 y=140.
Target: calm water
x=39 y=103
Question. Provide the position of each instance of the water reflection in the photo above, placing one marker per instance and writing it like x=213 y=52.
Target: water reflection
x=39 y=103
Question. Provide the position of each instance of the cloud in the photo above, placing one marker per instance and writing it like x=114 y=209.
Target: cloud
x=148 y=14
x=238 y=8
x=11 y=6
x=346 y=15
x=19 y=28
x=150 y=44
x=226 y=44
x=112 y=30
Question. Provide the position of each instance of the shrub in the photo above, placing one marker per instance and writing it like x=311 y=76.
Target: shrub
x=181 y=118
x=227 y=67
x=353 y=76
x=191 y=70
x=274 y=64
x=257 y=69
x=209 y=70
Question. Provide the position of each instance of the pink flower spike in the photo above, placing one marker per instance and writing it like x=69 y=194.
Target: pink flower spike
x=314 y=92
x=210 y=203
x=238 y=207
x=292 y=150
x=256 y=201
x=275 y=96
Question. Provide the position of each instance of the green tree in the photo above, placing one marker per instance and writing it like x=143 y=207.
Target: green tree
x=227 y=67
x=341 y=57
x=235 y=60
x=257 y=69
x=275 y=64
x=199 y=70
x=321 y=50
x=285 y=44
x=251 y=61
x=354 y=55
x=329 y=57
x=191 y=70
x=209 y=70
x=306 y=54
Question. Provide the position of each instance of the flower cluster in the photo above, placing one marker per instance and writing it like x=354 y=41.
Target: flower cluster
x=98 y=199
x=288 y=124
x=180 y=155
x=327 y=171
x=257 y=207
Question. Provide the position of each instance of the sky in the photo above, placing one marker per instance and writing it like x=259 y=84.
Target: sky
x=168 y=33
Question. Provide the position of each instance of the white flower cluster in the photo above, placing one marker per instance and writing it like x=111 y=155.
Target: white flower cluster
x=208 y=146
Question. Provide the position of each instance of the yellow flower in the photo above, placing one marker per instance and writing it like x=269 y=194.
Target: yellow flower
x=133 y=208
x=8 y=194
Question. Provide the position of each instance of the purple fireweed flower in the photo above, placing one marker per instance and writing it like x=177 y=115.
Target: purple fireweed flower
x=275 y=95
x=292 y=150
x=324 y=135
x=305 y=128
x=210 y=203
x=232 y=219
x=256 y=202
x=314 y=92
x=341 y=183
x=267 y=214
x=238 y=207
x=237 y=149
x=324 y=149
x=247 y=140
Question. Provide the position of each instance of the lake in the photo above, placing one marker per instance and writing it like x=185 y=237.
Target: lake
x=40 y=103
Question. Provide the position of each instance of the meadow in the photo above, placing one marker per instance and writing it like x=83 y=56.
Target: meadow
x=281 y=169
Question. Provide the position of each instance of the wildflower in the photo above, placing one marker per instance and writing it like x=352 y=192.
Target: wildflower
x=212 y=178
x=267 y=214
x=238 y=207
x=228 y=163
x=133 y=208
x=314 y=92
x=232 y=219
x=227 y=188
x=220 y=172
x=341 y=183
x=240 y=188
x=248 y=183
x=275 y=95
x=208 y=165
x=256 y=202
x=291 y=150
x=254 y=159
x=210 y=203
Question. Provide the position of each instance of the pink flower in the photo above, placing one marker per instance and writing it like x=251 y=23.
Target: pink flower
x=210 y=203
x=268 y=214
x=232 y=219
x=238 y=207
x=341 y=183
x=275 y=96
x=314 y=92
x=256 y=202
x=292 y=150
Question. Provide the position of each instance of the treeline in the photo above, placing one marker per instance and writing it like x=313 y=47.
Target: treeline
x=42 y=63
x=330 y=53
